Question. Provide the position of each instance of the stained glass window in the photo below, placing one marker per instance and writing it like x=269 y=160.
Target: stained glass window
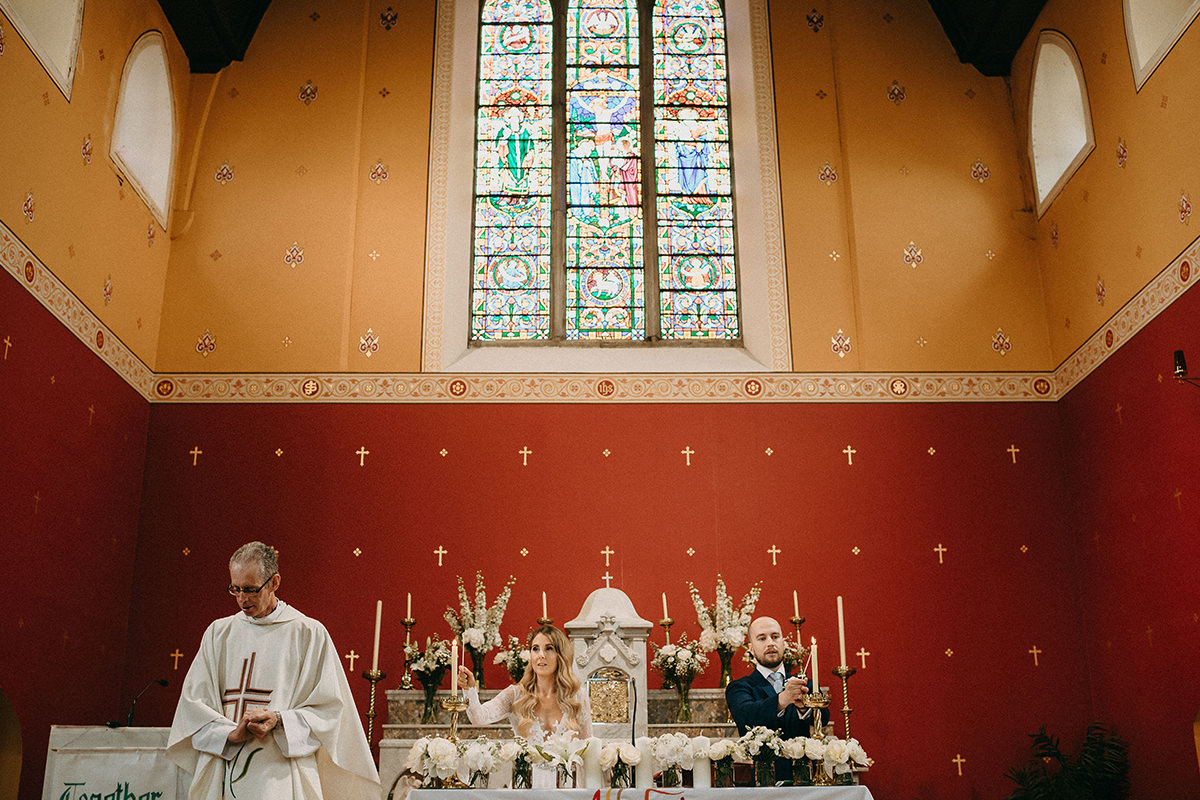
x=621 y=280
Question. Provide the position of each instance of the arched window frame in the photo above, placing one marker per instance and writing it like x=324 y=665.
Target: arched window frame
x=584 y=140
x=765 y=341
x=120 y=151
x=53 y=35
x=1147 y=51
x=1048 y=183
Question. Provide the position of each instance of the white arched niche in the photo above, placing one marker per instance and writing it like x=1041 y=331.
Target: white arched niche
x=144 y=133
x=1151 y=29
x=51 y=29
x=1060 y=117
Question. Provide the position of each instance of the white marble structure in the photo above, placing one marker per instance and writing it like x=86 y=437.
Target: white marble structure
x=611 y=659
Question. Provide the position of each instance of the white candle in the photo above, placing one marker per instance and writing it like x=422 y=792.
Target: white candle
x=815 y=674
x=378 y=617
x=841 y=630
x=593 y=775
x=702 y=771
x=454 y=667
x=408 y=613
x=795 y=605
x=645 y=770
x=665 y=614
x=544 y=614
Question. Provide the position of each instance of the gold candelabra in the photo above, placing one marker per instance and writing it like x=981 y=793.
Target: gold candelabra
x=406 y=681
x=844 y=673
x=818 y=701
x=666 y=623
x=374 y=676
x=798 y=621
x=455 y=703
x=545 y=620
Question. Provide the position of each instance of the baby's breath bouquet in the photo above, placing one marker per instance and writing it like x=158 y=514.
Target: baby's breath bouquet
x=514 y=657
x=430 y=667
x=477 y=623
x=679 y=664
x=762 y=745
x=723 y=627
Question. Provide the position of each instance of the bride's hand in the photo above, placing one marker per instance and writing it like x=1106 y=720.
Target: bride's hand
x=466 y=678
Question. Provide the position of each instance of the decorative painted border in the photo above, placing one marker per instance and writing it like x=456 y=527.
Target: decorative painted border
x=60 y=301
x=788 y=387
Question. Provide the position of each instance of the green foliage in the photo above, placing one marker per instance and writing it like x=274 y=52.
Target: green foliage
x=1099 y=772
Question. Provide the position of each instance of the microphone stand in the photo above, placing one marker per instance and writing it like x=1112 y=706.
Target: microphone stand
x=129 y=717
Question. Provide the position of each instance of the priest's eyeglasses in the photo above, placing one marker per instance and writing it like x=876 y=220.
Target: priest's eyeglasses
x=236 y=590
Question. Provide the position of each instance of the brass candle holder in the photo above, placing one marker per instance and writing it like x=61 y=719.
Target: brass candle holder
x=406 y=681
x=374 y=676
x=797 y=621
x=545 y=620
x=818 y=701
x=844 y=673
x=666 y=626
x=455 y=703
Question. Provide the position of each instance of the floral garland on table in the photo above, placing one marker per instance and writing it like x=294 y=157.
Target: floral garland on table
x=619 y=759
x=679 y=664
x=674 y=752
x=723 y=628
x=430 y=667
x=514 y=658
x=478 y=624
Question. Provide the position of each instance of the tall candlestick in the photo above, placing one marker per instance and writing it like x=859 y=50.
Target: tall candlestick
x=454 y=667
x=378 y=616
x=544 y=614
x=795 y=604
x=665 y=614
x=816 y=676
x=841 y=631
x=408 y=611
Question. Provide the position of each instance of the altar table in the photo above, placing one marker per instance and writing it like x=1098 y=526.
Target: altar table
x=685 y=793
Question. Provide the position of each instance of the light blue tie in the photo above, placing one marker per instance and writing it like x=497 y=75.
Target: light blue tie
x=777 y=682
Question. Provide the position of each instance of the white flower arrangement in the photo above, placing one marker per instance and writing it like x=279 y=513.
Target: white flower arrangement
x=760 y=742
x=613 y=753
x=477 y=623
x=433 y=757
x=514 y=657
x=721 y=749
x=563 y=750
x=480 y=758
x=679 y=663
x=673 y=750
x=723 y=627
x=435 y=657
x=836 y=756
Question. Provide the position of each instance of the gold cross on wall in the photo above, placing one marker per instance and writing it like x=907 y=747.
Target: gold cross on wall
x=774 y=551
x=959 y=760
x=849 y=451
x=441 y=551
x=352 y=656
x=1035 y=652
x=525 y=454
x=176 y=655
x=1013 y=450
x=940 y=551
x=362 y=452
x=7 y=344
x=195 y=453
x=687 y=453
x=606 y=552
x=863 y=653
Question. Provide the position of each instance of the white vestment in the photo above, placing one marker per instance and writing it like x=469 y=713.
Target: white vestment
x=286 y=663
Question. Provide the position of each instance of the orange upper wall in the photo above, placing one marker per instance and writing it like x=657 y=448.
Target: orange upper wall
x=302 y=175
x=87 y=225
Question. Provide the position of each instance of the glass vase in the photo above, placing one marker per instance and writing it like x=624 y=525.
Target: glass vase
x=479 y=780
x=672 y=776
x=429 y=711
x=685 y=704
x=722 y=772
x=802 y=772
x=622 y=776
x=522 y=774
x=477 y=662
x=764 y=771
x=726 y=657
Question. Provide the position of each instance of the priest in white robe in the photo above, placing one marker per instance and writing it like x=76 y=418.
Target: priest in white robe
x=266 y=711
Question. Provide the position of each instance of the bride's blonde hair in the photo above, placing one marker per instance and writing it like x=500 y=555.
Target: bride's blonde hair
x=564 y=680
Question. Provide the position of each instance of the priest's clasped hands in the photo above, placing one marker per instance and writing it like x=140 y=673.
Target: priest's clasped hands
x=256 y=722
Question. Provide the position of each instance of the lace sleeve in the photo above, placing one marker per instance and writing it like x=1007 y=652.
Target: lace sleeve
x=585 y=713
x=491 y=712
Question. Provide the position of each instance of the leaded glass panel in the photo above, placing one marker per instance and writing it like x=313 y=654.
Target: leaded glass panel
x=510 y=296
x=697 y=273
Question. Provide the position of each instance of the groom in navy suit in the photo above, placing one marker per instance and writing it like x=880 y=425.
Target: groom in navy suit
x=768 y=696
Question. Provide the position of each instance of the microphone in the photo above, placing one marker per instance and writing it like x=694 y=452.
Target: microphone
x=633 y=718
x=129 y=717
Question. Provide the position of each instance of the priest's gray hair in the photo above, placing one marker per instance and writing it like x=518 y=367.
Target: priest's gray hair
x=257 y=553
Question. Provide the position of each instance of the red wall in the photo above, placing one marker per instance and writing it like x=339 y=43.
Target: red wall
x=1137 y=545
x=989 y=602
x=73 y=434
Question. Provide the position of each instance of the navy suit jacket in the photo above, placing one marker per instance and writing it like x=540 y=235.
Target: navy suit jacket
x=752 y=701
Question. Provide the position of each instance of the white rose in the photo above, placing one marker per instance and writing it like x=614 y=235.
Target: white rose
x=814 y=749
x=444 y=757
x=684 y=655
x=792 y=748
x=508 y=752
x=857 y=754
x=608 y=755
x=630 y=754
x=722 y=748
x=419 y=749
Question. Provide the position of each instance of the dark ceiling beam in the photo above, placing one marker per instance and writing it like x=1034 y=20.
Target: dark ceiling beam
x=214 y=32
x=987 y=33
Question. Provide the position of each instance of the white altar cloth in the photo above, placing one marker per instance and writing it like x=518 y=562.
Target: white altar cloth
x=685 y=793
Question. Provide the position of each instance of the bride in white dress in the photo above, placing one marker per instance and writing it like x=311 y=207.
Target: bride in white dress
x=547 y=700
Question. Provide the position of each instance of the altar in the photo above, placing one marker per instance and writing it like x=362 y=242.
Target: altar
x=685 y=793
